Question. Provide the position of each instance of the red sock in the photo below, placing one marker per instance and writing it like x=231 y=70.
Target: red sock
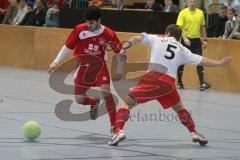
x=122 y=118
x=89 y=100
x=111 y=107
x=186 y=120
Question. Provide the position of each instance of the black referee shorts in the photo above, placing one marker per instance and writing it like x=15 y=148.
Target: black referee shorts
x=196 y=46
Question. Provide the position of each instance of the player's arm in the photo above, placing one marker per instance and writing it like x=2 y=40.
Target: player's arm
x=204 y=36
x=129 y=43
x=121 y=58
x=215 y=63
x=180 y=23
x=190 y=58
x=61 y=55
x=203 y=31
x=70 y=44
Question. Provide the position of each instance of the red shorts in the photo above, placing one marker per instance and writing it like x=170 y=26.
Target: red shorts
x=83 y=80
x=156 y=86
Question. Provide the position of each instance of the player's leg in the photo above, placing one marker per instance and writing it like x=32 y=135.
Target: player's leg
x=82 y=98
x=180 y=71
x=122 y=117
x=179 y=75
x=196 y=48
x=186 y=119
x=172 y=100
x=110 y=105
x=150 y=87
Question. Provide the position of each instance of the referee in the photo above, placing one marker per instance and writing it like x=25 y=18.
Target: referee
x=192 y=22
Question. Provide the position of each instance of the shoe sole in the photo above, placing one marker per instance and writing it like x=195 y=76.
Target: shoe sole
x=120 y=140
x=202 y=143
x=203 y=89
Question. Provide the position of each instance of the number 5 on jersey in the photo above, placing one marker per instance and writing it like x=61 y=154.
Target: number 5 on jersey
x=170 y=49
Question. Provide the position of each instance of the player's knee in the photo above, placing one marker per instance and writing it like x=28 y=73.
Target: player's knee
x=130 y=101
x=79 y=99
x=107 y=94
x=177 y=107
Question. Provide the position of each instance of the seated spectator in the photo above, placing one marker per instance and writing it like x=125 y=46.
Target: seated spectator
x=230 y=24
x=235 y=4
x=32 y=2
x=61 y=3
x=170 y=7
x=236 y=30
x=52 y=17
x=29 y=19
x=153 y=5
x=21 y=12
x=40 y=13
x=97 y=3
x=11 y=13
x=4 y=4
x=120 y=4
x=217 y=29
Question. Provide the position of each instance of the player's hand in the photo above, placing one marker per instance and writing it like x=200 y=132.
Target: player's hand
x=117 y=77
x=226 y=60
x=187 y=42
x=123 y=55
x=204 y=44
x=52 y=67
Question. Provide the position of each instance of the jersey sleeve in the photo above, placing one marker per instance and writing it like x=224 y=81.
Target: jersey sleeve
x=180 y=19
x=115 y=43
x=187 y=57
x=148 y=39
x=72 y=39
x=203 y=19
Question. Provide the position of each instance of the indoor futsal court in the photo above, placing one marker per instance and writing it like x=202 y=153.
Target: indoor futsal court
x=26 y=95
x=71 y=72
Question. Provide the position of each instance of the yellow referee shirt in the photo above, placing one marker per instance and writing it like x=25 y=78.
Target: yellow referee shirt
x=190 y=22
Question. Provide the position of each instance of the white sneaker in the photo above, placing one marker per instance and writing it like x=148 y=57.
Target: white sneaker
x=197 y=137
x=118 y=137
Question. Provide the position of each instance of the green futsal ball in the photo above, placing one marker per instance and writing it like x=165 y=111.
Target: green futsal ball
x=31 y=130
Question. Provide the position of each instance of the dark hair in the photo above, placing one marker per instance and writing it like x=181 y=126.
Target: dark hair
x=92 y=13
x=231 y=10
x=174 y=31
x=223 y=7
x=30 y=5
x=21 y=0
x=55 y=3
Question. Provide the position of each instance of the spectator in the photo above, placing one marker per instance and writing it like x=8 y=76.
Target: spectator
x=217 y=29
x=11 y=13
x=192 y=22
x=29 y=19
x=235 y=4
x=230 y=24
x=153 y=5
x=61 y=3
x=97 y=3
x=32 y=2
x=40 y=13
x=170 y=7
x=236 y=30
x=52 y=17
x=120 y=4
x=4 y=4
x=21 y=12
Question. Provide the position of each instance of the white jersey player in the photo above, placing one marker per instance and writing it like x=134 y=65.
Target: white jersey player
x=158 y=83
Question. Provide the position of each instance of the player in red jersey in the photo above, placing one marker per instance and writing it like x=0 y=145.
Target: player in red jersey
x=89 y=41
x=167 y=54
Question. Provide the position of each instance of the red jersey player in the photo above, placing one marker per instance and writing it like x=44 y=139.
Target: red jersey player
x=91 y=39
x=167 y=54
